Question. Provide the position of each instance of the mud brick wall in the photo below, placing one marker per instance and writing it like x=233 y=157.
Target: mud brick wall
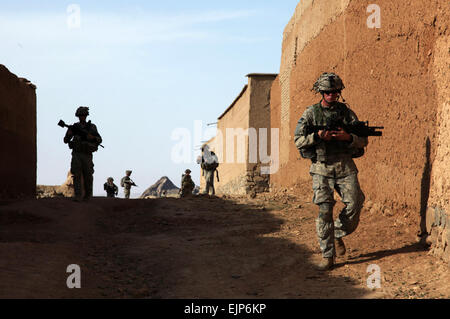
x=233 y=173
x=438 y=212
x=17 y=136
x=250 y=110
x=396 y=76
x=260 y=87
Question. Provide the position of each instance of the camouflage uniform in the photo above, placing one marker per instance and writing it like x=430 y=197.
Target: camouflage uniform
x=209 y=180
x=332 y=169
x=110 y=188
x=209 y=165
x=127 y=183
x=82 y=166
x=187 y=184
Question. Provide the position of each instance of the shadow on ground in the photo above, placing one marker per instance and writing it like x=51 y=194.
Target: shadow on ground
x=410 y=248
x=197 y=247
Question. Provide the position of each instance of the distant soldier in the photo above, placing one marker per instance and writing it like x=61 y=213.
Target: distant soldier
x=126 y=183
x=83 y=139
x=187 y=184
x=111 y=189
x=209 y=164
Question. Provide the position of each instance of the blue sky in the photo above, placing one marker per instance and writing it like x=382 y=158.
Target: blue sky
x=145 y=68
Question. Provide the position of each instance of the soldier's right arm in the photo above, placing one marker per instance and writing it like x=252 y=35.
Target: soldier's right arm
x=301 y=138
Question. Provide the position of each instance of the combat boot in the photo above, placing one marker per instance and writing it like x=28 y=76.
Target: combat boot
x=340 y=247
x=325 y=264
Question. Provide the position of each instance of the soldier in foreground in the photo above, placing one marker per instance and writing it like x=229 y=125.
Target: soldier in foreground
x=127 y=183
x=332 y=168
x=187 y=184
x=83 y=139
x=111 y=189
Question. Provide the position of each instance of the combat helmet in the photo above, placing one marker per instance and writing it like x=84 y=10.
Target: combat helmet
x=328 y=82
x=128 y=172
x=188 y=171
x=82 y=111
x=110 y=179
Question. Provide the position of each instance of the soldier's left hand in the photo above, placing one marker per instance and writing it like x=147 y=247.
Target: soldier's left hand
x=341 y=135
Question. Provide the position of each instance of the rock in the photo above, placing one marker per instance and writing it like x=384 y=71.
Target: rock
x=163 y=184
x=387 y=212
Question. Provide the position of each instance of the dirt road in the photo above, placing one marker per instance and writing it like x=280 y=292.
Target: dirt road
x=204 y=248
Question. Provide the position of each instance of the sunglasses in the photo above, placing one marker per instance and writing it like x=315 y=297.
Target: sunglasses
x=332 y=92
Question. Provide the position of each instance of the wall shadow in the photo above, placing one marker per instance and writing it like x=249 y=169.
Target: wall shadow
x=425 y=191
x=164 y=248
x=364 y=258
x=217 y=249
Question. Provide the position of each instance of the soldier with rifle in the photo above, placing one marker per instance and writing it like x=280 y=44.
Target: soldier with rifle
x=330 y=135
x=209 y=163
x=126 y=182
x=111 y=189
x=83 y=139
x=187 y=184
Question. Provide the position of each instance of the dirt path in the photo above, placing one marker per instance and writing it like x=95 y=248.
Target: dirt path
x=204 y=248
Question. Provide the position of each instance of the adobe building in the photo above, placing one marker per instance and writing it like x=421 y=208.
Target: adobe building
x=238 y=140
x=396 y=74
x=17 y=136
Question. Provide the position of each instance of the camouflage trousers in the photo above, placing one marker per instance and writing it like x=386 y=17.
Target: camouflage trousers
x=82 y=169
x=186 y=191
x=209 y=181
x=352 y=196
x=126 y=191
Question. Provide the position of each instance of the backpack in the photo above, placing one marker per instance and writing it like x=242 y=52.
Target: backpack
x=122 y=182
x=212 y=163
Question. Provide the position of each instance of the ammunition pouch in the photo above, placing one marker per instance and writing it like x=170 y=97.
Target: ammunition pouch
x=210 y=166
x=308 y=152
x=357 y=152
x=311 y=153
x=83 y=146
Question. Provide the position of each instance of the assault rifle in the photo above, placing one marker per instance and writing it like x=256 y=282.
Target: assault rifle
x=361 y=129
x=77 y=130
x=133 y=183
